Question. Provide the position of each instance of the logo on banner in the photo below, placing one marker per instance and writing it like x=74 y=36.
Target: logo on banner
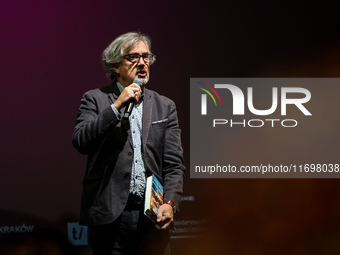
x=77 y=235
x=239 y=104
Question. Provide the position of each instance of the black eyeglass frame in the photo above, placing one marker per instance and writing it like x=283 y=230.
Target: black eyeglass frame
x=149 y=55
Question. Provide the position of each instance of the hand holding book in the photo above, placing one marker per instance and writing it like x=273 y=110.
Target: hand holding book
x=165 y=217
x=161 y=214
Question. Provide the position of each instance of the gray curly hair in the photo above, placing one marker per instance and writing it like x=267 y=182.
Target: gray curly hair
x=113 y=54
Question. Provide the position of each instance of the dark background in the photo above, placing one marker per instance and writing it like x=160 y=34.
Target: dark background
x=51 y=55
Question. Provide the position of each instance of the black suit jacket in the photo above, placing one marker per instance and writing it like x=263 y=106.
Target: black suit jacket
x=108 y=143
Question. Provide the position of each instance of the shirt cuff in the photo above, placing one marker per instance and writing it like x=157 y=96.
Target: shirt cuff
x=115 y=111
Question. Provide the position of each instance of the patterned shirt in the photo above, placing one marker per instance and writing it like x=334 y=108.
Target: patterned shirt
x=137 y=183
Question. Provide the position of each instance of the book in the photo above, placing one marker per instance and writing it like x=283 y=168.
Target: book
x=153 y=197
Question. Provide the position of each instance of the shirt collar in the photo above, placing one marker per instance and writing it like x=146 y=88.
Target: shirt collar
x=120 y=87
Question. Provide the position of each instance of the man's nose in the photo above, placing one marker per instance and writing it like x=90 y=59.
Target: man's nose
x=141 y=61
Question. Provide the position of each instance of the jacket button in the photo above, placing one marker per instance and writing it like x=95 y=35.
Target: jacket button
x=129 y=153
x=127 y=174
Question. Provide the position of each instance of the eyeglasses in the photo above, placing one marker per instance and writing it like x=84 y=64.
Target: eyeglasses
x=134 y=57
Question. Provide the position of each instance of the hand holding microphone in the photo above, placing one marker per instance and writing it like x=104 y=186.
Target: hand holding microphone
x=130 y=95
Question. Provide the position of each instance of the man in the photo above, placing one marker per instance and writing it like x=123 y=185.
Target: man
x=124 y=149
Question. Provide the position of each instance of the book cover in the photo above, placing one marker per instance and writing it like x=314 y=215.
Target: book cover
x=153 y=197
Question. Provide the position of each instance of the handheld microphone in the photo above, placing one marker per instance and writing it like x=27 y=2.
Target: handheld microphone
x=128 y=109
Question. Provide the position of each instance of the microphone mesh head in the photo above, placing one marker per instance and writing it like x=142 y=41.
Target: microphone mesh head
x=138 y=81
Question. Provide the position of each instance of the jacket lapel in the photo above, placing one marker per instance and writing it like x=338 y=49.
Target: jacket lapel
x=124 y=122
x=147 y=114
x=114 y=92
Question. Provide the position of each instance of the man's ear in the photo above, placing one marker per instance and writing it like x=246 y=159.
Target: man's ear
x=116 y=67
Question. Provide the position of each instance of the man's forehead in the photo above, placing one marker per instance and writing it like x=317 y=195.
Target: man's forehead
x=139 y=46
